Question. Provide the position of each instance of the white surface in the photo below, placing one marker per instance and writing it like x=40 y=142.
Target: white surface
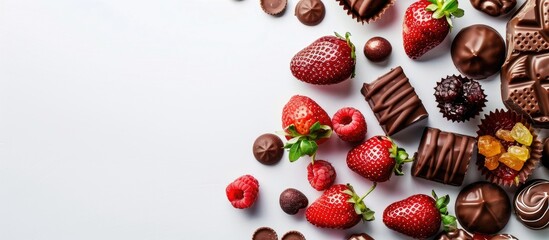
x=127 y=119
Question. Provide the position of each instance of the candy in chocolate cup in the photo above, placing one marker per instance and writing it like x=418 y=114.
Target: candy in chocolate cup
x=501 y=119
x=273 y=7
x=264 y=233
x=366 y=10
x=293 y=235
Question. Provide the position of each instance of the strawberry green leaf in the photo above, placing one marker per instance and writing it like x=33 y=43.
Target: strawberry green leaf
x=458 y=13
x=315 y=127
x=431 y=7
x=295 y=152
x=308 y=147
x=368 y=215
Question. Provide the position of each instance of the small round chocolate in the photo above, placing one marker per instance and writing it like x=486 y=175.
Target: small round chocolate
x=265 y=233
x=478 y=51
x=291 y=200
x=545 y=154
x=360 y=236
x=268 y=149
x=483 y=207
x=377 y=49
x=310 y=12
x=532 y=204
x=494 y=8
x=293 y=235
x=273 y=7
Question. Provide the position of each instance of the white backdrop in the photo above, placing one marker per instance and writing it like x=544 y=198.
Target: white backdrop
x=127 y=119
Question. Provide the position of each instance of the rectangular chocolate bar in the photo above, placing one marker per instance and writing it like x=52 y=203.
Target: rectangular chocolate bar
x=443 y=156
x=394 y=101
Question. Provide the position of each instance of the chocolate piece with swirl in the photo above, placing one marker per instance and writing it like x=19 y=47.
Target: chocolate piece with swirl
x=532 y=204
x=443 y=156
x=394 y=101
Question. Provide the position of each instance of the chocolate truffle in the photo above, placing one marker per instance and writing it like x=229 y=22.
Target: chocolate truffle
x=394 y=101
x=494 y=8
x=293 y=235
x=273 y=7
x=503 y=237
x=545 y=154
x=365 y=10
x=525 y=73
x=532 y=204
x=458 y=234
x=483 y=207
x=265 y=233
x=310 y=12
x=478 y=51
x=443 y=156
x=360 y=236
x=268 y=149
x=377 y=49
x=291 y=200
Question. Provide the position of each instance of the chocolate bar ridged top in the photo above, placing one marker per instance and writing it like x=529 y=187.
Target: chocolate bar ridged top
x=443 y=156
x=532 y=204
x=394 y=101
x=525 y=73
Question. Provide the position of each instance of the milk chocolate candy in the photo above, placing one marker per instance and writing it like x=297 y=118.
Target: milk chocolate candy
x=532 y=204
x=443 y=156
x=525 y=73
x=494 y=8
x=394 y=101
x=365 y=11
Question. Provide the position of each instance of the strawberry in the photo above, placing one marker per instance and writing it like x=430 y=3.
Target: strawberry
x=306 y=125
x=243 y=192
x=377 y=158
x=339 y=207
x=328 y=60
x=419 y=216
x=426 y=24
x=321 y=174
x=349 y=124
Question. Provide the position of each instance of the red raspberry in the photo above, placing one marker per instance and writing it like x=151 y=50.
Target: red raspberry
x=321 y=174
x=349 y=125
x=243 y=192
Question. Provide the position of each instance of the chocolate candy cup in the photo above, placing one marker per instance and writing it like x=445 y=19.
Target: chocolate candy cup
x=360 y=236
x=310 y=12
x=494 y=8
x=545 y=155
x=532 y=204
x=366 y=11
x=273 y=7
x=264 y=233
x=293 y=235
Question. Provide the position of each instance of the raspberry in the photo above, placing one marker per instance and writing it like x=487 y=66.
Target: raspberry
x=473 y=93
x=321 y=174
x=455 y=111
x=243 y=192
x=448 y=89
x=349 y=125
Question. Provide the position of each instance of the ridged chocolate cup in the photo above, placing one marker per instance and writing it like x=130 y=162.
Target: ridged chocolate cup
x=273 y=10
x=264 y=233
x=368 y=19
x=506 y=120
x=293 y=235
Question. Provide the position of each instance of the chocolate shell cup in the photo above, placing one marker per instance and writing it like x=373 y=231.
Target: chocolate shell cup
x=366 y=11
x=264 y=233
x=501 y=119
x=293 y=235
x=273 y=7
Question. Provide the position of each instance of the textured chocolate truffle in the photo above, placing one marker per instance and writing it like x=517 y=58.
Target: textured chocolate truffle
x=291 y=200
x=458 y=234
x=310 y=12
x=483 y=207
x=494 y=8
x=273 y=7
x=525 y=73
x=365 y=10
x=268 y=149
x=293 y=235
x=478 y=51
x=360 y=236
x=265 y=233
x=545 y=153
x=532 y=204
x=377 y=49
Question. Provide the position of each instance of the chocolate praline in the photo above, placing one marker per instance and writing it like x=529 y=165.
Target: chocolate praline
x=360 y=236
x=532 y=204
x=292 y=200
x=377 y=49
x=365 y=11
x=458 y=234
x=478 y=51
x=494 y=8
x=545 y=153
x=273 y=7
x=264 y=233
x=483 y=207
x=293 y=235
x=268 y=149
x=310 y=12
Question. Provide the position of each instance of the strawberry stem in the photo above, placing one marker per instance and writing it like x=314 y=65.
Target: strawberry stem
x=445 y=8
x=347 y=38
x=449 y=223
x=300 y=145
x=400 y=156
x=358 y=203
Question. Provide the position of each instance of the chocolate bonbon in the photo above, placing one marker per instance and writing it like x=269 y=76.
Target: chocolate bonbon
x=365 y=10
x=458 y=234
x=443 y=156
x=268 y=149
x=292 y=200
x=494 y=8
x=483 y=207
x=394 y=101
x=377 y=49
x=532 y=204
x=545 y=153
x=310 y=12
x=478 y=51
x=265 y=233
x=525 y=73
x=503 y=237
x=360 y=236
x=293 y=235
x=273 y=7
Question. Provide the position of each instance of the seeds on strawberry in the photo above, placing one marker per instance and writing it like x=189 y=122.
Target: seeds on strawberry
x=321 y=174
x=243 y=192
x=349 y=124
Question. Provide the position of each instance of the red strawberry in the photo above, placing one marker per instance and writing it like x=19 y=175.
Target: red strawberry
x=419 y=216
x=377 y=158
x=349 y=125
x=339 y=207
x=426 y=24
x=243 y=192
x=328 y=60
x=321 y=174
x=306 y=125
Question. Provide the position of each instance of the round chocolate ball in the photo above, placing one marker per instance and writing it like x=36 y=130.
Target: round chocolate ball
x=478 y=51
x=310 y=12
x=483 y=207
x=268 y=149
x=377 y=49
x=291 y=200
